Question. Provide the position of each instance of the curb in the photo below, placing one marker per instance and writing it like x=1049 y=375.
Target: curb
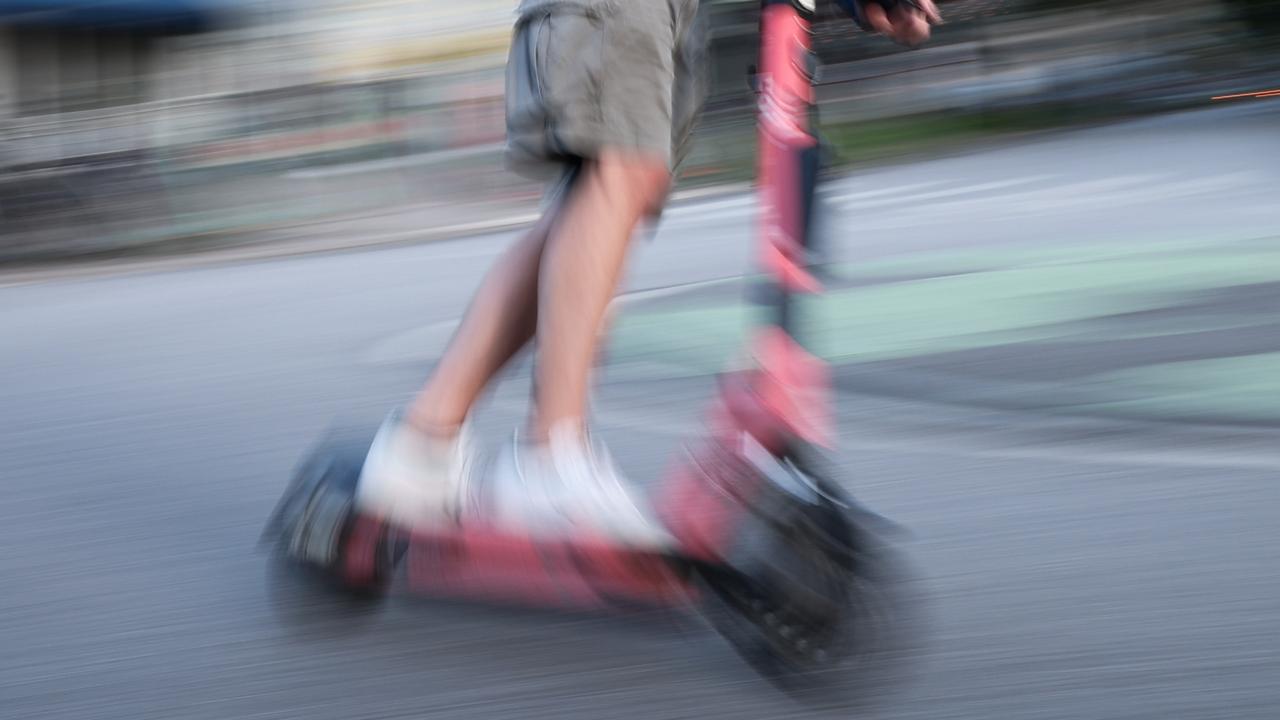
x=262 y=250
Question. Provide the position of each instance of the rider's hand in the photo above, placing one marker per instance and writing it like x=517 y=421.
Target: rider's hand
x=904 y=22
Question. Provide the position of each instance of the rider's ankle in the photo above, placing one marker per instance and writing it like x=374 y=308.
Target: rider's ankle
x=544 y=433
x=433 y=428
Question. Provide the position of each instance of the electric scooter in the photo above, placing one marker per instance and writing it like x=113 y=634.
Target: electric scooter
x=772 y=551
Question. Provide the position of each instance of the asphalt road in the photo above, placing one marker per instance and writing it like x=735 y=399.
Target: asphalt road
x=1070 y=567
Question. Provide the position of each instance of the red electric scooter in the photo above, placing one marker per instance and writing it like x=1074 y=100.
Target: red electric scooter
x=772 y=551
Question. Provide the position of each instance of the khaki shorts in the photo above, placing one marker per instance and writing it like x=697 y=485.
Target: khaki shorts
x=585 y=75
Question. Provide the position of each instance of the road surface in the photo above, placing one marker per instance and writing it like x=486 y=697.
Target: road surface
x=1075 y=559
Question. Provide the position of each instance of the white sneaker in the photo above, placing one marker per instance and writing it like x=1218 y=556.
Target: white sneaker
x=568 y=486
x=415 y=480
x=519 y=495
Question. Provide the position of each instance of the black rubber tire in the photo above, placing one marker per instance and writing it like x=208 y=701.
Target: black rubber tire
x=868 y=619
x=320 y=500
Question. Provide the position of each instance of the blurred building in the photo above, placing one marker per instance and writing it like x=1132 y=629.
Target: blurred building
x=168 y=118
x=84 y=85
x=355 y=39
x=70 y=55
x=82 y=78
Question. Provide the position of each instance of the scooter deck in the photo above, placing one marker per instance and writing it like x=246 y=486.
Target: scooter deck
x=484 y=562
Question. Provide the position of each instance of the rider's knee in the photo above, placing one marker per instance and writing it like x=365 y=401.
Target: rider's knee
x=641 y=180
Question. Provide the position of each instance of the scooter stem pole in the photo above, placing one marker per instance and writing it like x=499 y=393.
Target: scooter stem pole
x=788 y=154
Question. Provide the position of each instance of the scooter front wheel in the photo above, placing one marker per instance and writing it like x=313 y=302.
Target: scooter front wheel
x=806 y=591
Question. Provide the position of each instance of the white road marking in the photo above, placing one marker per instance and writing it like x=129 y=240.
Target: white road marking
x=703 y=208
x=904 y=196
x=1136 y=194
x=838 y=197
x=1120 y=190
x=687 y=221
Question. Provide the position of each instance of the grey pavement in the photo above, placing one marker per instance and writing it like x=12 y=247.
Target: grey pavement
x=1070 y=566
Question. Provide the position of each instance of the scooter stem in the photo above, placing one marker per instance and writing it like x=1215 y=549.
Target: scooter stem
x=790 y=386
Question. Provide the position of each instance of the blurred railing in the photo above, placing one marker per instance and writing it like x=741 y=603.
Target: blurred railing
x=221 y=164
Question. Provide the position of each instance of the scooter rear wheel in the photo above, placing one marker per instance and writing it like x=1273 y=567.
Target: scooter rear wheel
x=317 y=533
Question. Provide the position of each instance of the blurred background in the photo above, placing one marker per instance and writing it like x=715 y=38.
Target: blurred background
x=1050 y=312
x=173 y=120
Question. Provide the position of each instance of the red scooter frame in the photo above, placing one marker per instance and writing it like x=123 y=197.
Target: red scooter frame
x=761 y=536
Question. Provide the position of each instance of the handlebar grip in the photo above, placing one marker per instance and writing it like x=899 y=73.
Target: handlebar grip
x=854 y=9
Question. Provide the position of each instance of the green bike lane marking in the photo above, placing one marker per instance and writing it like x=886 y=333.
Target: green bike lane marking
x=1064 y=294
x=995 y=257
x=1244 y=388
x=953 y=312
